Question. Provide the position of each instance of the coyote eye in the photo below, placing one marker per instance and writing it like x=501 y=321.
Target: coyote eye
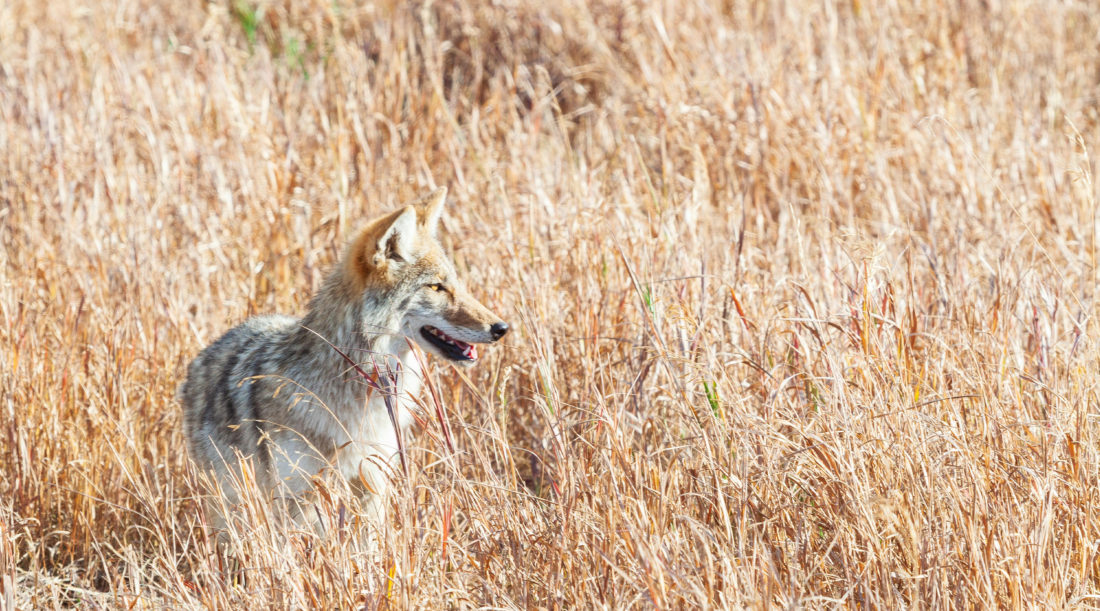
x=437 y=287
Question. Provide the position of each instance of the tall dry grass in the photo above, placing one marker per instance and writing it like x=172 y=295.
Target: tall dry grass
x=803 y=296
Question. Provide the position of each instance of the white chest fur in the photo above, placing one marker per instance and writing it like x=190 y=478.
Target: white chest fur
x=345 y=424
x=371 y=441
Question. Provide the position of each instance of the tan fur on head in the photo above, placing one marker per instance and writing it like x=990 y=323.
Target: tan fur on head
x=394 y=237
x=390 y=238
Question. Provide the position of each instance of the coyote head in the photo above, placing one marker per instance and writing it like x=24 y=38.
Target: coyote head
x=398 y=260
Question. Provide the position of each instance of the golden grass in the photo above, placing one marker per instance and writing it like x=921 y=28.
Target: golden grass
x=802 y=296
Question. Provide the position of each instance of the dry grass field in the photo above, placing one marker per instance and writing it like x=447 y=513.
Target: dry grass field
x=802 y=296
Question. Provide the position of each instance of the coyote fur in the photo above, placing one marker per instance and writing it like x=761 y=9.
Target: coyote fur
x=335 y=389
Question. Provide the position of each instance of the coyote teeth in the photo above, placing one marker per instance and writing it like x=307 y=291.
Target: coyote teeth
x=465 y=350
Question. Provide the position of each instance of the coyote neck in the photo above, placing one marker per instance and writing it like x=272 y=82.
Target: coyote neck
x=362 y=325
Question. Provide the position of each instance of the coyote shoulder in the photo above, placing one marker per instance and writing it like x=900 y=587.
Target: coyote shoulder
x=283 y=392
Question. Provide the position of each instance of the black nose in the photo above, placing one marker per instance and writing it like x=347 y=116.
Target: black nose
x=498 y=330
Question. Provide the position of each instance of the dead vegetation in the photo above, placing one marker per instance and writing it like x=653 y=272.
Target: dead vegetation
x=802 y=296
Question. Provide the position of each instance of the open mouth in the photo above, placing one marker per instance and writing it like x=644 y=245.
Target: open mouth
x=451 y=348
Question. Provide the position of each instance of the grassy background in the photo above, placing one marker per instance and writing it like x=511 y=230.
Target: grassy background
x=802 y=295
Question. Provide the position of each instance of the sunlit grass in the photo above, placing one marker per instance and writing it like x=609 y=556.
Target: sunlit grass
x=802 y=297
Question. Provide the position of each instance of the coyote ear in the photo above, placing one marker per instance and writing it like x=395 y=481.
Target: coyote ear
x=431 y=208
x=399 y=238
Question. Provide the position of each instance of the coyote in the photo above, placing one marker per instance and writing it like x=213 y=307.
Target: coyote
x=335 y=389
